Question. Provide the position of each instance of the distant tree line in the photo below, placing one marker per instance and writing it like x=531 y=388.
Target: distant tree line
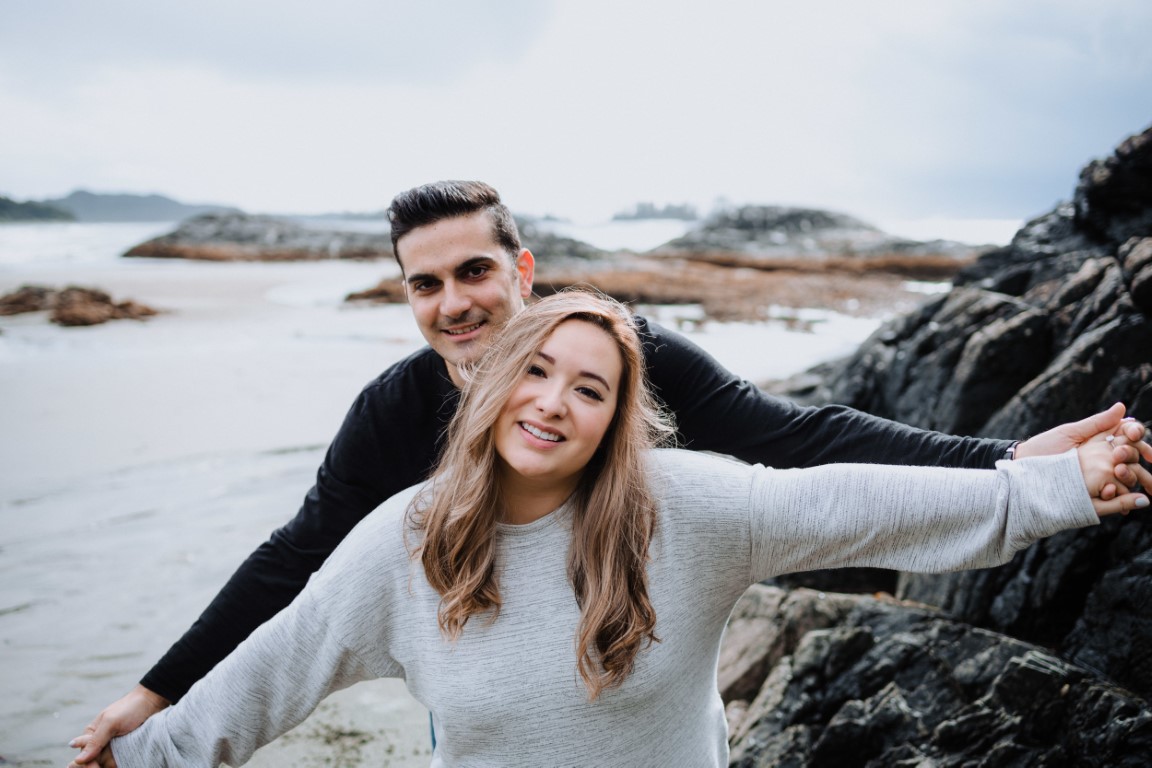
x=11 y=210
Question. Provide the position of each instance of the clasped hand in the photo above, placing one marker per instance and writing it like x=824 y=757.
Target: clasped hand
x=1110 y=448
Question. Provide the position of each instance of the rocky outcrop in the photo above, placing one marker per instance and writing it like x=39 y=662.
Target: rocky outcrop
x=860 y=681
x=72 y=306
x=768 y=232
x=552 y=249
x=243 y=237
x=1053 y=327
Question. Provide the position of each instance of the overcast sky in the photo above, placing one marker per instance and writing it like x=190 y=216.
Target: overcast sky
x=955 y=108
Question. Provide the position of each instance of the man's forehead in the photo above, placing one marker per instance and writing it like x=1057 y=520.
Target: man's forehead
x=446 y=244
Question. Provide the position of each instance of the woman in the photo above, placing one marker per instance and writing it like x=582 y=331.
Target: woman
x=556 y=592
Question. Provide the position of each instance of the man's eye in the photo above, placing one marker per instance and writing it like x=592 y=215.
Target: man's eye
x=477 y=271
x=423 y=287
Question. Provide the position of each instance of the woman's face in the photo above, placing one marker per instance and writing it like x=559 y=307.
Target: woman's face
x=557 y=415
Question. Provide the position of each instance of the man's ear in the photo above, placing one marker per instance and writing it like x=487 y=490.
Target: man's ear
x=526 y=266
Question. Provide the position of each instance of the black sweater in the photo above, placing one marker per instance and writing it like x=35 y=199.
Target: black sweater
x=390 y=440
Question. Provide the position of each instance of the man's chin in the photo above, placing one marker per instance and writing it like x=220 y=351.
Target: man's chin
x=462 y=355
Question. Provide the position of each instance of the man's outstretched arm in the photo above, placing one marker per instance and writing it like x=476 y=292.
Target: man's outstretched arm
x=717 y=411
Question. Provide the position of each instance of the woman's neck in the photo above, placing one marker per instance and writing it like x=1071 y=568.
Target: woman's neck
x=526 y=502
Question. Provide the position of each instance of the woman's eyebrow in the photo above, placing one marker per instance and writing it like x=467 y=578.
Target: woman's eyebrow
x=587 y=374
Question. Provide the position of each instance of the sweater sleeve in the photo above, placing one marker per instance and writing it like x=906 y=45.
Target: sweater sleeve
x=386 y=443
x=717 y=411
x=911 y=518
x=335 y=633
x=268 y=685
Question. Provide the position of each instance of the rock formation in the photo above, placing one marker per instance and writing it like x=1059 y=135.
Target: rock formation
x=1044 y=661
x=72 y=306
x=243 y=237
x=860 y=681
x=1053 y=327
x=774 y=232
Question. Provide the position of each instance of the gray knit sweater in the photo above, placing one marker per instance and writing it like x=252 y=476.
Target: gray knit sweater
x=508 y=693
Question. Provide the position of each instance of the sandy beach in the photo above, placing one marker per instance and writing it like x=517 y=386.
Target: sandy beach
x=143 y=460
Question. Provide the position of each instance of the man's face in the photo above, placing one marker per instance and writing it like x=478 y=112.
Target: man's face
x=462 y=286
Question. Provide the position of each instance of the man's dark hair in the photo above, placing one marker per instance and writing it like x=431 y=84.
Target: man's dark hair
x=430 y=203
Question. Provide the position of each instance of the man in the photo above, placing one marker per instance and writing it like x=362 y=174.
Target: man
x=465 y=274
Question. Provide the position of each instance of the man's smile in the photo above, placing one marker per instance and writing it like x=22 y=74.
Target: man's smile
x=462 y=331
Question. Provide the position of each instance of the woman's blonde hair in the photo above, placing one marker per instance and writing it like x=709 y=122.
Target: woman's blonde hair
x=614 y=511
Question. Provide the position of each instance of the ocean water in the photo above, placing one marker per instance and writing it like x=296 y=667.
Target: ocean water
x=72 y=243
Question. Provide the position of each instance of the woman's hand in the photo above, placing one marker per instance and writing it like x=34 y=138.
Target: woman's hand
x=1128 y=448
x=1098 y=464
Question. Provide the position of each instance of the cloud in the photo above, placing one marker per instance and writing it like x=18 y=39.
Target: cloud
x=578 y=108
x=284 y=40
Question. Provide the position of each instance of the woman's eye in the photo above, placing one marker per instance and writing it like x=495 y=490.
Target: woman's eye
x=535 y=370
x=589 y=392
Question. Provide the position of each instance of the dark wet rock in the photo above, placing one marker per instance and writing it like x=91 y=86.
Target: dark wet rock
x=856 y=581
x=1114 y=197
x=244 y=237
x=894 y=684
x=72 y=306
x=765 y=626
x=1047 y=330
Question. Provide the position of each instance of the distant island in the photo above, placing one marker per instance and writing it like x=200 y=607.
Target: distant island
x=12 y=210
x=678 y=211
x=113 y=207
x=347 y=216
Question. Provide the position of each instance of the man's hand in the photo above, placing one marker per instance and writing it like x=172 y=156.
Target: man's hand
x=118 y=718
x=1128 y=448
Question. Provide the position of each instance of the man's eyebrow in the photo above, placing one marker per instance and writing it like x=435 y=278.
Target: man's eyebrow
x=586 y=374
x=419 y=277
x=464 y=266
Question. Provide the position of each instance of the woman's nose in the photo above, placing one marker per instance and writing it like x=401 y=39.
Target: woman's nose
x=550 y=401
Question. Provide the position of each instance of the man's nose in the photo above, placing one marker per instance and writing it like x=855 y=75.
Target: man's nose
x=455 y=301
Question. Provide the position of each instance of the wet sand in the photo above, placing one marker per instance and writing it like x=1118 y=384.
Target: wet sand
x=143 y=460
